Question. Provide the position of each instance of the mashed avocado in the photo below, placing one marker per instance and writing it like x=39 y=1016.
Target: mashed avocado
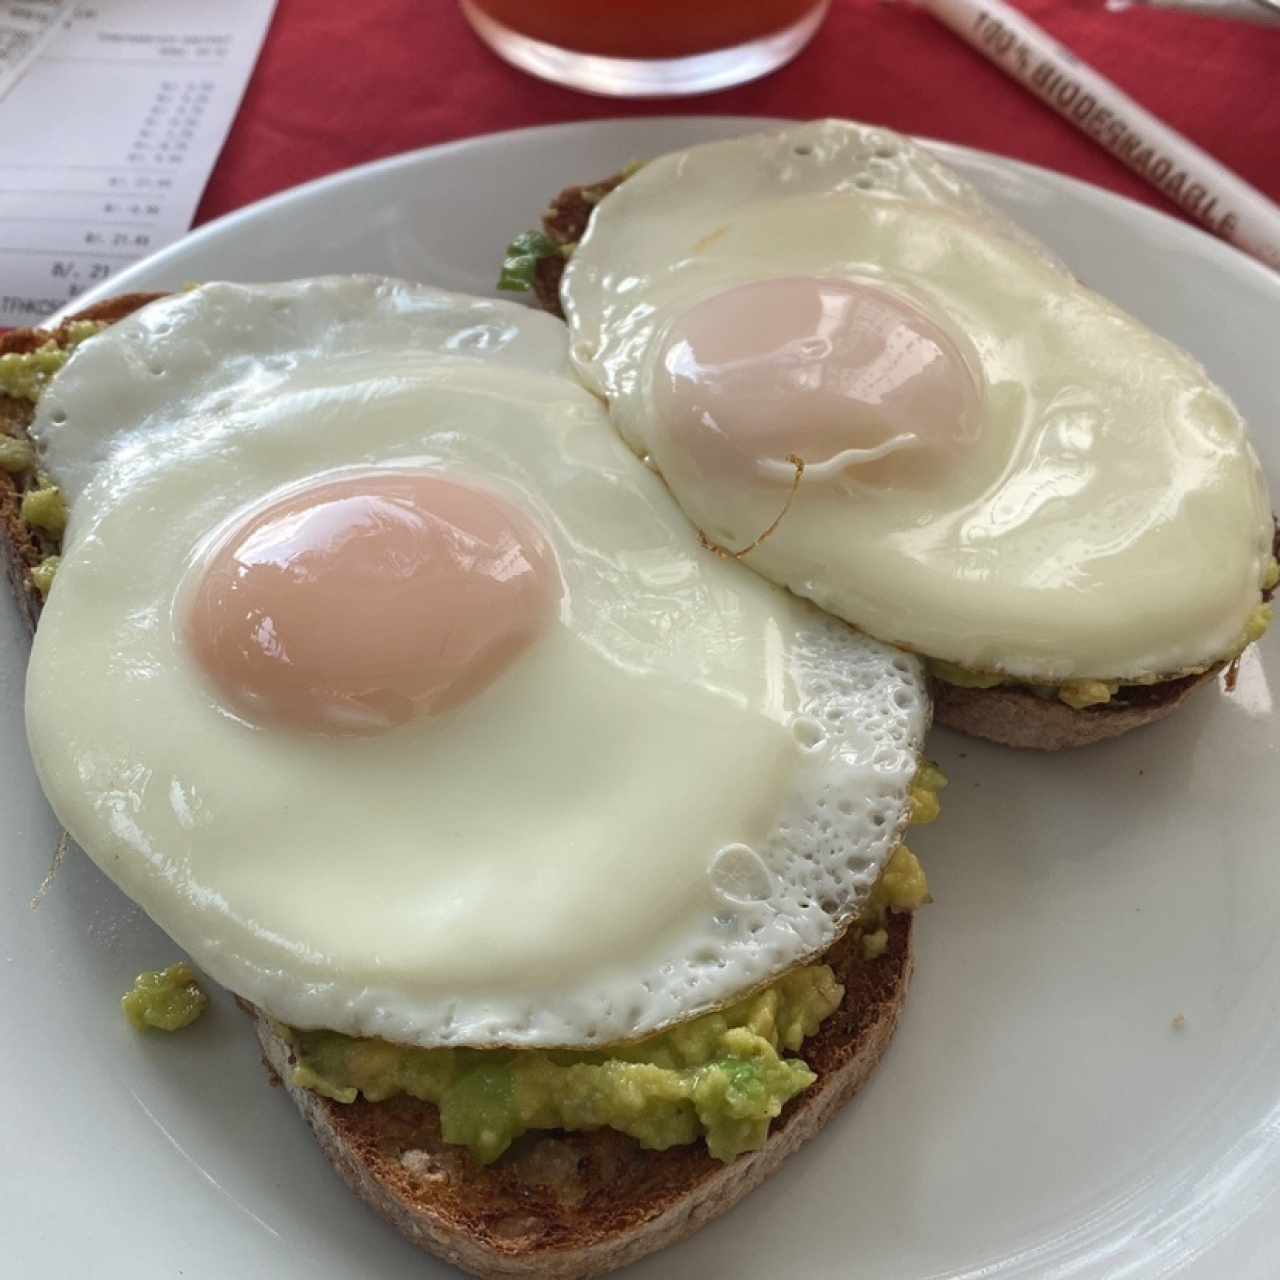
x=1087 y=693
x=45 y=509
x=42 y=574
x=24 y=374
x=902 y=887
x=16 y=455
x=1259 y=620
x=950 y=673
x=165 y=999
x=520 y=263
x=721 y=1076
x=925 y=805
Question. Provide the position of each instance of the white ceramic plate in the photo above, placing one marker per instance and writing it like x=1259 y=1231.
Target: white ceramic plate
x=1039 y=1114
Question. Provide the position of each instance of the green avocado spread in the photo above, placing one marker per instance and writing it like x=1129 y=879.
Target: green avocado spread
x=164 y=999
x=16 y=455
x=24 y=374
x=45 y=508
x=721 y=1076
x=42 y=574
x=520 y=263
x=925 y=805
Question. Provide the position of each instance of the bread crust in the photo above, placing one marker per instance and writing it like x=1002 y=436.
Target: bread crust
x=1016 y=717
x=564 y=1206
x=1008 y=714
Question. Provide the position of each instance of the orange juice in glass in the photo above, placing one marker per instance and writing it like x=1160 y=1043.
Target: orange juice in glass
x=646 y=48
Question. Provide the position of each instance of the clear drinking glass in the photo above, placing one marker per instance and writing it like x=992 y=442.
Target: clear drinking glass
x=646 y=48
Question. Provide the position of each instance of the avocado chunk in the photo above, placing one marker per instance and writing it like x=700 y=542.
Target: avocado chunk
x=164 y=999
x=722 y=1076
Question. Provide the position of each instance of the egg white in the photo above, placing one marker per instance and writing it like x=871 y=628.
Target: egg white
x=684 y=788
x=1110 y=522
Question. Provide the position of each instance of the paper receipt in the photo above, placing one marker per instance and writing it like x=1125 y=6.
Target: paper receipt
x=108 y=134
x=24 y=29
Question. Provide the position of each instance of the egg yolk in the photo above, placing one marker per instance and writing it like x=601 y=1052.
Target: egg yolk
x=854 y=380
x=352 y=605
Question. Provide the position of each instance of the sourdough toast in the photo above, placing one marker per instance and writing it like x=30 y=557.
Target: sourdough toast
x=1017 y=717
x=562 y=1206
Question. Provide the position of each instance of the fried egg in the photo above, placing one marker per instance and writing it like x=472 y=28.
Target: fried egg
x=397 y=691
x=991 y=464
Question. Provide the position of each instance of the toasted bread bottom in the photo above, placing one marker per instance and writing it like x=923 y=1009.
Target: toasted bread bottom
x=1016 y=717
x=566 y=1205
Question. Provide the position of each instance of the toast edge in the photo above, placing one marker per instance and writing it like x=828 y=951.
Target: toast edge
x=692 y=1208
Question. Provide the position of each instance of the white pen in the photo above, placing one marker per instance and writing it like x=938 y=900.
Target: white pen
x=1266 y=12
x=1198 y=184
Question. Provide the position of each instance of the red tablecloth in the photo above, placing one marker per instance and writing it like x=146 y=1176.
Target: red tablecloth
x=338 y=84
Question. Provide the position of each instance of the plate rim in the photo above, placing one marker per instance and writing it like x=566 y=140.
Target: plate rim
x=1193 y=237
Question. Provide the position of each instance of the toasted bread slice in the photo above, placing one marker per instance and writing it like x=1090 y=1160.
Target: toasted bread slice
x=1008 y=714
x=559 y=1206
x=1016 y=717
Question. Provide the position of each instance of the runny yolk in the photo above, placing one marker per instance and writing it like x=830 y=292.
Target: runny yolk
x=856 y=381
x=355 y=604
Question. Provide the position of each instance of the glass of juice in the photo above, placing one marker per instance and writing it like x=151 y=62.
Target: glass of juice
x=646 y=48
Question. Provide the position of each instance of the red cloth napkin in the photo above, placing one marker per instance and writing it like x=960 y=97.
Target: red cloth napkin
x=339 y=84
